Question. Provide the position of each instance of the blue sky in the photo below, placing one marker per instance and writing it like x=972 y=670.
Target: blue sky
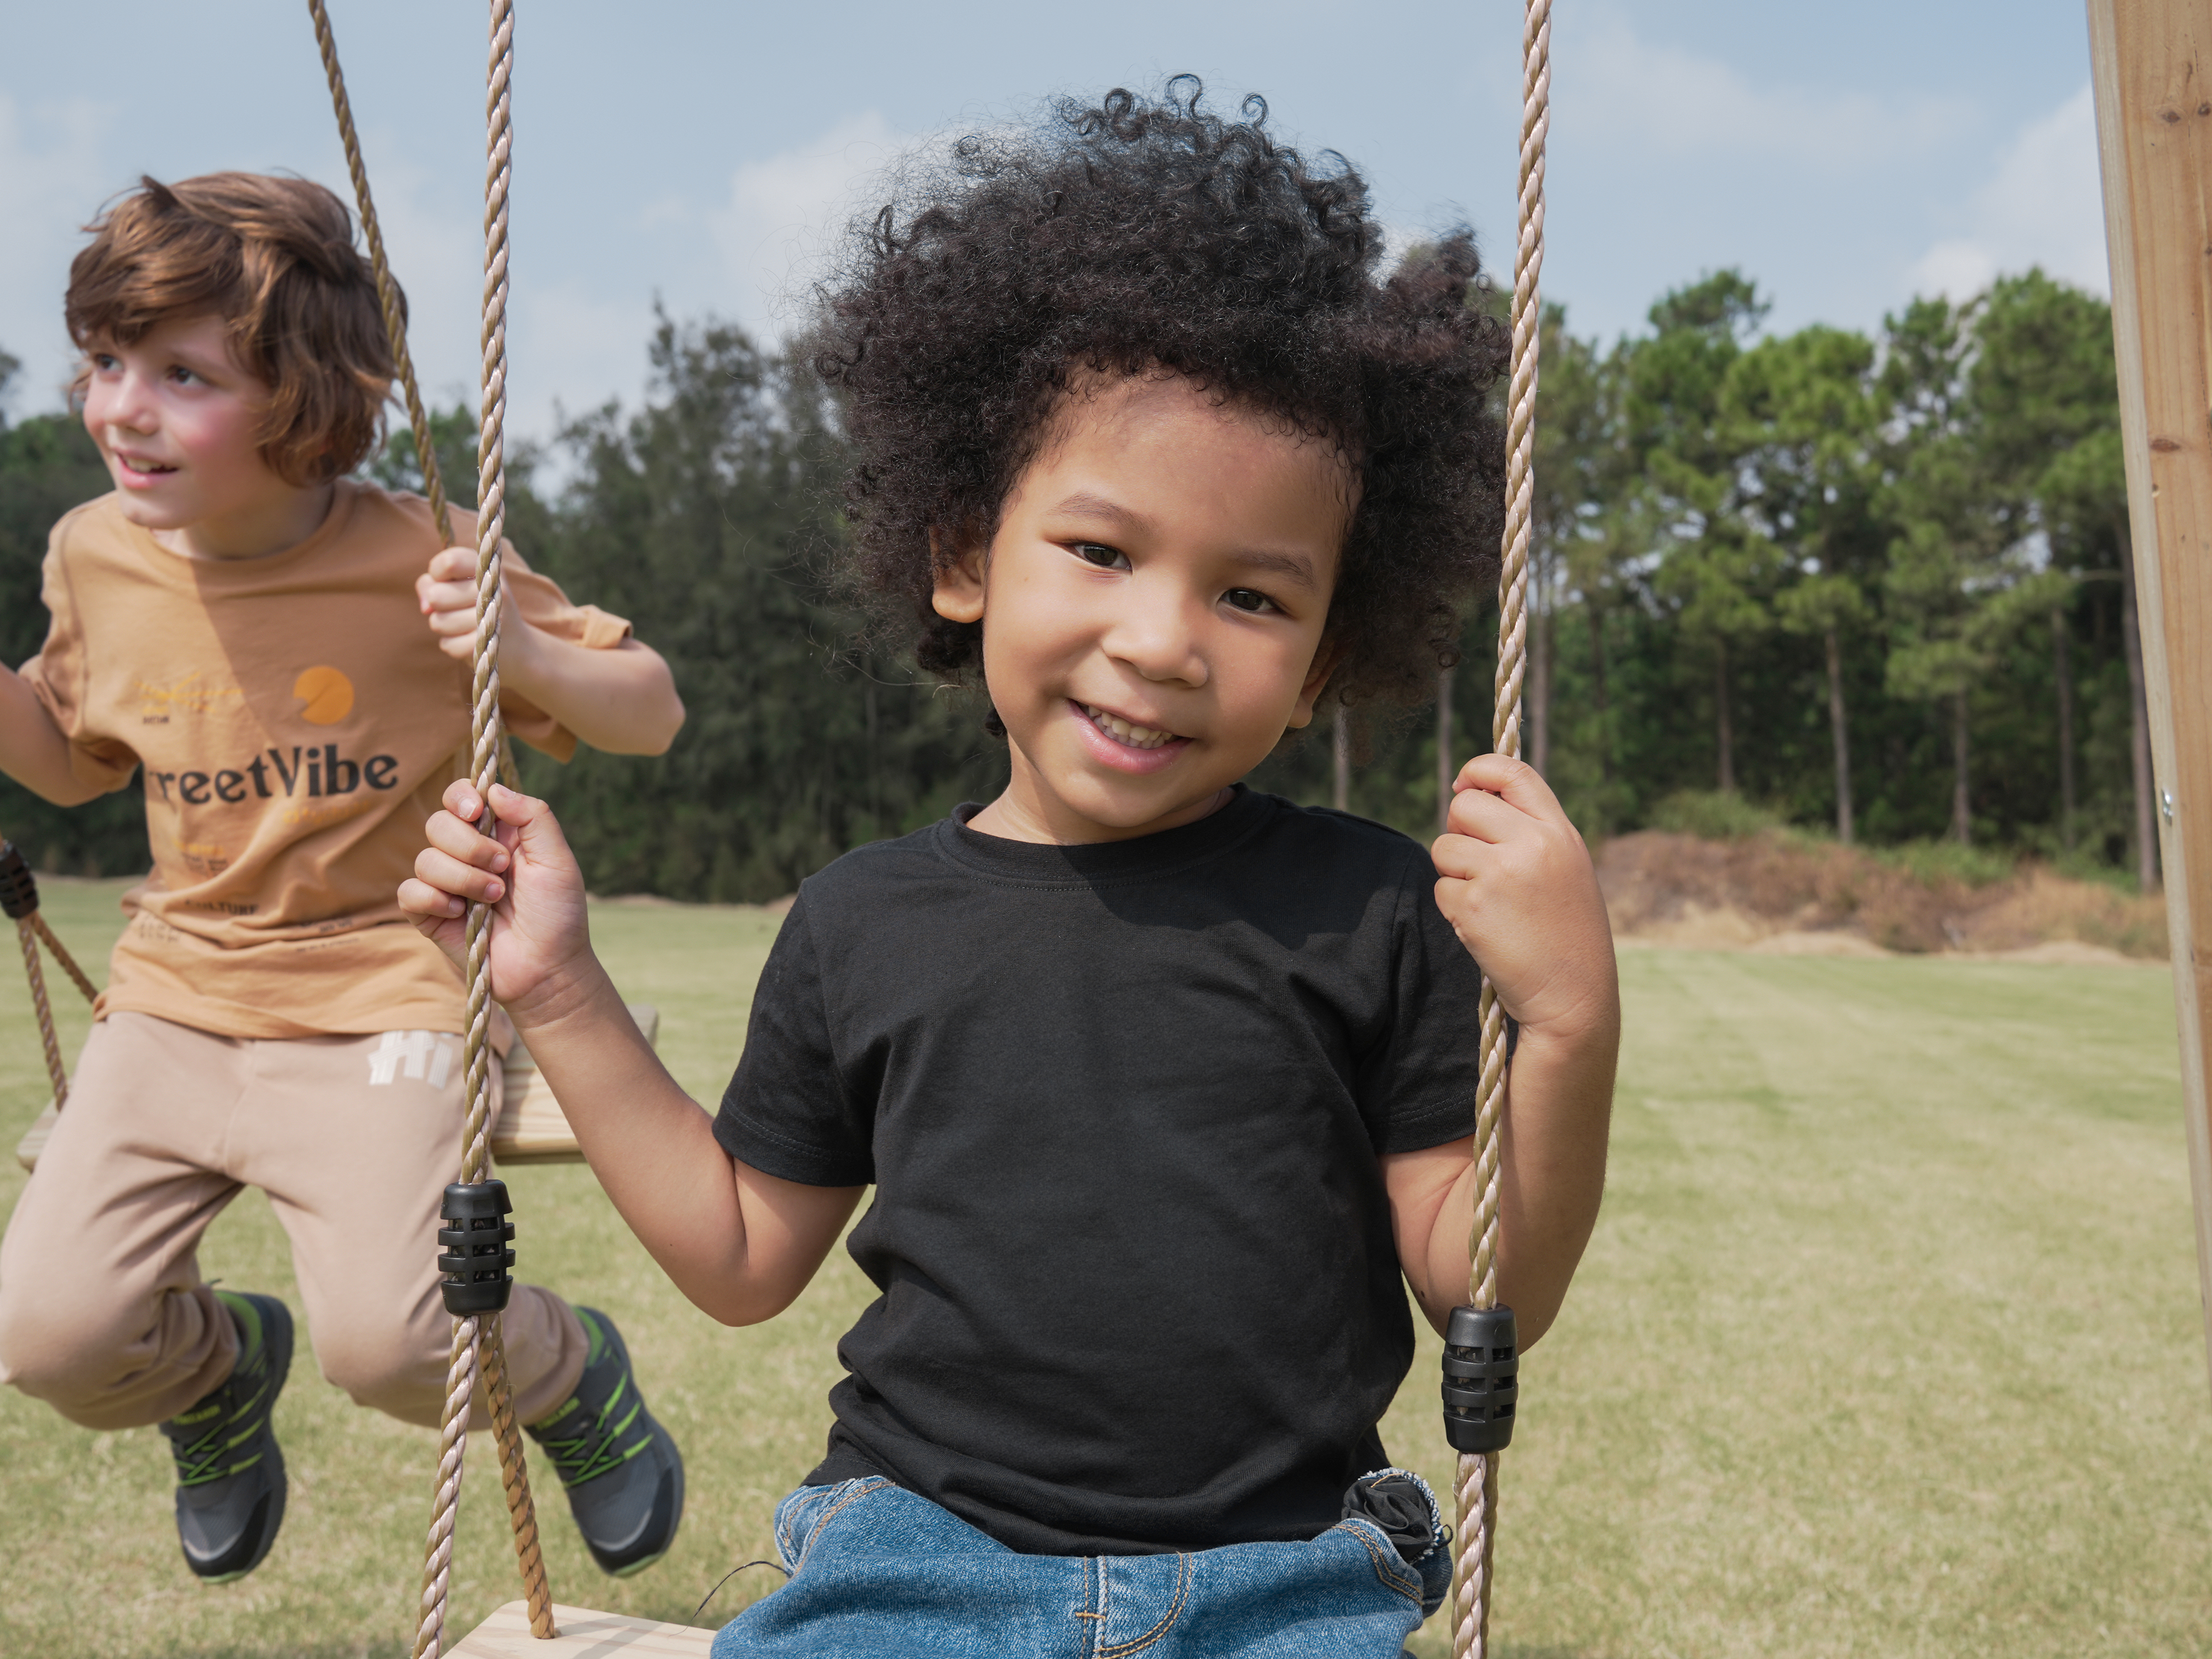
x=1846 y=157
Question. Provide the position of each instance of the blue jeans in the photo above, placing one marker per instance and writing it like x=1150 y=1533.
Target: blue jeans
x=877 y=1570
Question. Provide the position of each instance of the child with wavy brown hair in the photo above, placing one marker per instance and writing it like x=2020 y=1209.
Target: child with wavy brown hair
x=1165 y=1086
x=280 y=653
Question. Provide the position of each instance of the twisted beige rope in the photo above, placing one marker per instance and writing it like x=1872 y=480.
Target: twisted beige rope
x=514 y=1478
x=67 y=961
x=1476 y=1485
x=395 y=319
x=387 y=293
x=452 y=1445
x=474 y=1338
x=30 y=931
x=27 y=932
x=491 y=526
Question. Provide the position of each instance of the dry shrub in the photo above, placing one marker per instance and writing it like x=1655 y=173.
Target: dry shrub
x=2042 y=905
x=1777 y=882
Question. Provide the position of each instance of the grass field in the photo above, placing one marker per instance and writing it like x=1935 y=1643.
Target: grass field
x=1887 y=1343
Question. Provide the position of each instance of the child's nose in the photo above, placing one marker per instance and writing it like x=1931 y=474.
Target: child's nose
x=126 y=401
x=1157 y=633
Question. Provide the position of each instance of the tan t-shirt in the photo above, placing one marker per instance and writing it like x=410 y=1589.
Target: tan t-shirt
x=296 y=723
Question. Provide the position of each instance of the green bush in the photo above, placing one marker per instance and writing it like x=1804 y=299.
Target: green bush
x=1712 y=815
x=1935 y=861
x=2083 y=864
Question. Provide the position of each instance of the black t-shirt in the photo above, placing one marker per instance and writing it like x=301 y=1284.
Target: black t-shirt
x=1122 y=1105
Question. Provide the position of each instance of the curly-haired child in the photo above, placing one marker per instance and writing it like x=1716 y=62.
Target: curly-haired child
x=283 y=651
x=1163 y=1085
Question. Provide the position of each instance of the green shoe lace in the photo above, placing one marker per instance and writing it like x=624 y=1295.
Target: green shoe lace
x=584 y=1442
x=204 y=1440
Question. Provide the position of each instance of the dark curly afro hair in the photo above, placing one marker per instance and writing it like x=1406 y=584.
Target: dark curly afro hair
x=1142 y=236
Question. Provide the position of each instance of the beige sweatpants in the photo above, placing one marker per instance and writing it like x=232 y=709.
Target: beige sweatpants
x=103 y=1314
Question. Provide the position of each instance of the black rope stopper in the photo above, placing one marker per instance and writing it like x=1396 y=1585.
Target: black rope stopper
x=19 y=893
x=474 y=1262
x=1482 y=1379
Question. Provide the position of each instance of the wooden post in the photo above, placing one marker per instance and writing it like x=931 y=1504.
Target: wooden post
x=2154 y=83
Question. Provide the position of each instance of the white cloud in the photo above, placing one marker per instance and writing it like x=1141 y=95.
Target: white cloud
x=1663 y=99
x=2045 y=206
x=52 y=179
x=569 y=343
x=438 y=258
x=785 y=214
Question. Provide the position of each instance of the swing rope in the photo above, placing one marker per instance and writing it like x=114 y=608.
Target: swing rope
x=387 y=294
x=28 y=935
x=19 y=902
x=477 y=1338
x=477 y=1343
x=1476 y=1485
x=395 y=316
x=68 y=961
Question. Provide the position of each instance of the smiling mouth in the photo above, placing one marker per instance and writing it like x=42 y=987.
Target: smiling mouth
x=144 y=469
x=1135 y=737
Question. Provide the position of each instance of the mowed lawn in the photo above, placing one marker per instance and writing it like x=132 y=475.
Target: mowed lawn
x=1887 y=1343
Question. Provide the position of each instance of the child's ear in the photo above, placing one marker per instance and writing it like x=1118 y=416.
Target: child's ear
x=1324 y=663
x=957 y=590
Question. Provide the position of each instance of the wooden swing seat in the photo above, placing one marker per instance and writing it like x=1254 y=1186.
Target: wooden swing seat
x=506 y=1635
x=531 y=1128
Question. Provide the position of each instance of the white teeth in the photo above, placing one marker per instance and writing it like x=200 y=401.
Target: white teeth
x=1137 y=736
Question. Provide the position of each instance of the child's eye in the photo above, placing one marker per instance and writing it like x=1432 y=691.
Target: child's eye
x=1247 y=599
x=102 y=363
x=182 y=375
x=1097 y=553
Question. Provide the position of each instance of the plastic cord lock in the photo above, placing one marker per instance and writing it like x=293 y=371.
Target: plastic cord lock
x=1482 y=1379
x=19 y=893
x=473 y=1257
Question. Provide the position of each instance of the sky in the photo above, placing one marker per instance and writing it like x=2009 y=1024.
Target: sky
x=704 y=157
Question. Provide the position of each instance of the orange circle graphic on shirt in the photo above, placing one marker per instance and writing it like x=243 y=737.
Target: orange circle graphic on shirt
x=327 y=694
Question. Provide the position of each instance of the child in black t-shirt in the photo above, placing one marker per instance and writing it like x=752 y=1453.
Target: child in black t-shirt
x=1162 y=1083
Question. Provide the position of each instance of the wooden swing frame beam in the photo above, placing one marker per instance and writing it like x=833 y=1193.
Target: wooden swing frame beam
x=2152 y=64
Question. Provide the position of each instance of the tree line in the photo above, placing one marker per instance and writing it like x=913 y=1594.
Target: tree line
x=1880 y=584
x=1873 y=585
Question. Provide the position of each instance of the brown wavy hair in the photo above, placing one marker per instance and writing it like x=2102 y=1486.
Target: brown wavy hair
x=275 y=258
x=1137 y=236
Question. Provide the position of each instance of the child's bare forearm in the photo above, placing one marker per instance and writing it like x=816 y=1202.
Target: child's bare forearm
x=1551 y=1177
x=739 y=1243
x=620 y=700
x=1559 y=1108
x=32 y=750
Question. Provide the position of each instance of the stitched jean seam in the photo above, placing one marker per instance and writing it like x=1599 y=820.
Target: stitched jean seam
x=1389 y=1568
x=792 y=1516
x=858 y=1491
x=1159 y=1630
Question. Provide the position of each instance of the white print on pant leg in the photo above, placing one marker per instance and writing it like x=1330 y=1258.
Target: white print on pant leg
x=412 y=1050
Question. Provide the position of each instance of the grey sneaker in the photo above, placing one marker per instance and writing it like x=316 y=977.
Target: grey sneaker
x=624 y=1475
x=230 y=1472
